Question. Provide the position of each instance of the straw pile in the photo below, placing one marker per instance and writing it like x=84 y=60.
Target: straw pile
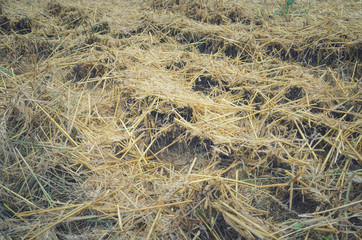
x=180 y=119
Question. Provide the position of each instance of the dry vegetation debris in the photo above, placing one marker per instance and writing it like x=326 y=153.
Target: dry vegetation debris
x=180 y=119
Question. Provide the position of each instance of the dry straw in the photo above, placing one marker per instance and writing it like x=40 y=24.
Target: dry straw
x=180 y=120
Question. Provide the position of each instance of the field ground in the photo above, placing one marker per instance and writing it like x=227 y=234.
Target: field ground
x=206 y=119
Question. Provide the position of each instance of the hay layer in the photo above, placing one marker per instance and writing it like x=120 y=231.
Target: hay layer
x=180 y=119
